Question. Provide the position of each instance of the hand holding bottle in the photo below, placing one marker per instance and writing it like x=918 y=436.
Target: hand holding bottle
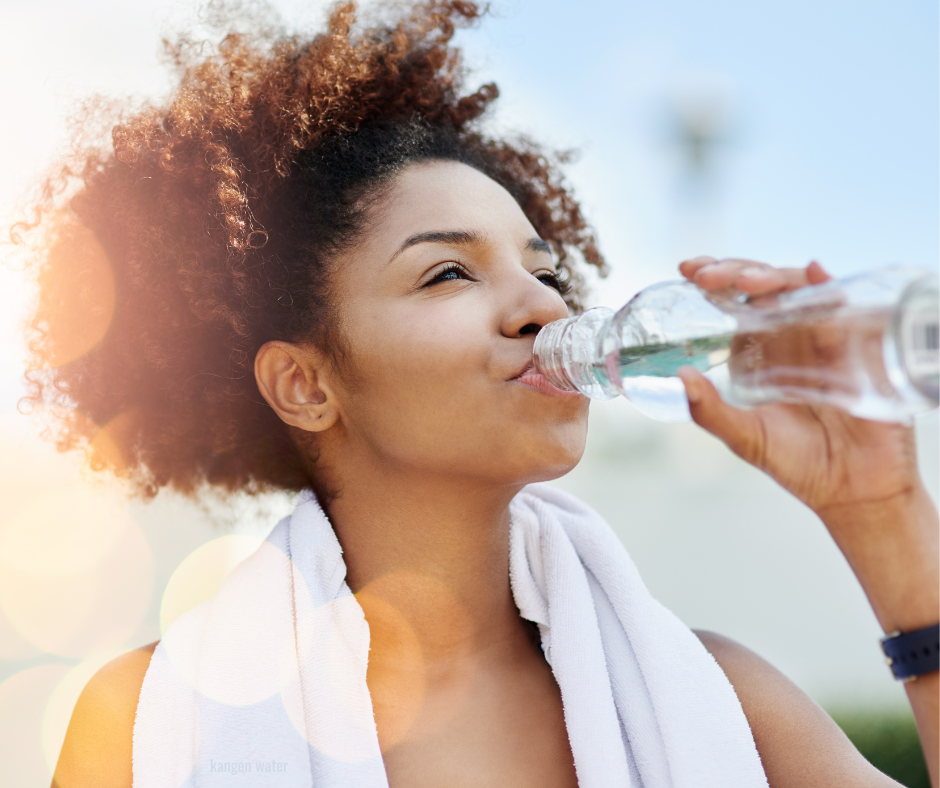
x=824 y=456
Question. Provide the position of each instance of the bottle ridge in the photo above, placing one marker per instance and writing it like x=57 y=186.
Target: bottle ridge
x=866 y=343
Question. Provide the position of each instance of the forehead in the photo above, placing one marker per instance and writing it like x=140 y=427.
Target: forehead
x=443 y=196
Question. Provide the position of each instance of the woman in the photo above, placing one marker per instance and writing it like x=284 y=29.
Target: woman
x=322 y=275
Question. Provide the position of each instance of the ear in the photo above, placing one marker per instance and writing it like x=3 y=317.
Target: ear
x=295 y=381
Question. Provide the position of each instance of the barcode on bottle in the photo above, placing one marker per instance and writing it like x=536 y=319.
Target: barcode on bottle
x=923 y=345
x=926 y=336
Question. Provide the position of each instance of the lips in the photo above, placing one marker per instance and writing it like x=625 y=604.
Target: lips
x=529 y=377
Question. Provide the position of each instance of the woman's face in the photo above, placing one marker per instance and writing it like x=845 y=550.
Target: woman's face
x=439 y=304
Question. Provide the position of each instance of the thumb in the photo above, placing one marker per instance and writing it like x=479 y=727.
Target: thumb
x=739 y=429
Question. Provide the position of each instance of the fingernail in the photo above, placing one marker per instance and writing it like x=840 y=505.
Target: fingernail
x=704 y=269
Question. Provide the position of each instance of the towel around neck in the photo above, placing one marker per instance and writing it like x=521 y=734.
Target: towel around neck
x=267 y=680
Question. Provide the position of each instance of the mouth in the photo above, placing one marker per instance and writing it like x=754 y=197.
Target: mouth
x=535 y=380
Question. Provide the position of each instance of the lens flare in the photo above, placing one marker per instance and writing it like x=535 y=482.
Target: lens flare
x=12 y=644
x=200 y=575
x=396 y=652
x=23 y=699
x=334 y=644
x=239 y=648
x=76 y=573
x=61 y=703
x=396 y=661
x=79 y=305
x=65 y=532
x=104 y=449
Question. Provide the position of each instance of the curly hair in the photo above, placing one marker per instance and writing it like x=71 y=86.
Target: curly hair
x=208 y=227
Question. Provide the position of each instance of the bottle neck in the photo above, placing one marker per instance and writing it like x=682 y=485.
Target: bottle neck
x=567 y=353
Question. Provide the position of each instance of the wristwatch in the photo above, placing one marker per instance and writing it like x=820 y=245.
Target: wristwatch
x=912 y=654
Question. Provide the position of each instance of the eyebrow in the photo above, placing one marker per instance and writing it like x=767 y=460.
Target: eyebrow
x=538 y=245
x=451 y=237
x=461 y=238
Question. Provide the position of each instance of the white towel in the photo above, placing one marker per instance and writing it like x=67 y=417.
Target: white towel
x=266 y=682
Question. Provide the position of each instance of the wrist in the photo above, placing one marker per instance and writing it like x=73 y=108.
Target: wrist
x=893 y=547
x=911 y=655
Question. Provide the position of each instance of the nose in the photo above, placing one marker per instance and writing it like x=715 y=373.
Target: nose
x=533 y=305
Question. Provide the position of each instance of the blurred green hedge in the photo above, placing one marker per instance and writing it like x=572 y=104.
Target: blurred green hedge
x=888 y=739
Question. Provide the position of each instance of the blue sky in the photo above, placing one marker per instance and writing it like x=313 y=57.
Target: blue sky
x=833 y=149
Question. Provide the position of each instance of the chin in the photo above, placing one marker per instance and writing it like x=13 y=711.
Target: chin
x=548 y=474
x=543 y=463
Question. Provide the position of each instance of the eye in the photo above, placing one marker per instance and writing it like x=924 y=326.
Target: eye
x=557 y=280
x=450 y=273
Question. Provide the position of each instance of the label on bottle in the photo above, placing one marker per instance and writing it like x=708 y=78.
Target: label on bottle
x=920 y=334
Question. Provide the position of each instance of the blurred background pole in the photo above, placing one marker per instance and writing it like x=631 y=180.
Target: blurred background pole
x=699 y=115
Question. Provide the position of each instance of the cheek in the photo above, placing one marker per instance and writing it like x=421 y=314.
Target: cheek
x=431 y=392
x=417 y=370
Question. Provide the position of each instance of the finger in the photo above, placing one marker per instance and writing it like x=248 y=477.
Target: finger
x=722 y=274
x=759 y=281
x=739 y=429
x=688 y=268
x=755 y=279
x=816 y=274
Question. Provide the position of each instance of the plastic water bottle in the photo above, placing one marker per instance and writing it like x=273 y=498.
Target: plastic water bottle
x=866 y=343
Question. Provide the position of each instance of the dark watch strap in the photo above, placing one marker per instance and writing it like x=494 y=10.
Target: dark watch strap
x=913 y=654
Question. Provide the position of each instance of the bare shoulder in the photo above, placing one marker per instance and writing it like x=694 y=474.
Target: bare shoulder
x=98 y=744
x=799 y=744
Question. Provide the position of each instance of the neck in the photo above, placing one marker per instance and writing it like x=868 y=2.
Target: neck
x=428 y=558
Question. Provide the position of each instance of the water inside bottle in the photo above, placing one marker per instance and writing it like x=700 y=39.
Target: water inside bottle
x=665 y=360
x=859 y=360
x=647 y=374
